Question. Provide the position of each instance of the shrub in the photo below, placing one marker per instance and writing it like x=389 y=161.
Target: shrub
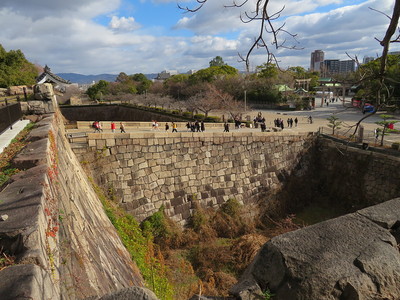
x=162 y=229
x=212 y=119
x=199 y=116
x=187 y=114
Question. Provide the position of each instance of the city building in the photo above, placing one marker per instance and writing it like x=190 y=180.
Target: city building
x=367 y=59
x=336 y=66
x=166 y=74
x=317 y=59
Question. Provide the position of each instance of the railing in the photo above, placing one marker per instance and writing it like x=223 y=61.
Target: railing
x=9 y=114
x=9 y=100
x=367 y=137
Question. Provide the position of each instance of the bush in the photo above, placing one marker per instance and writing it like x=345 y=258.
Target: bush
x=396 y=146
x=212 y=119
x=162 y=229
x=199 y=116
x=187 y=114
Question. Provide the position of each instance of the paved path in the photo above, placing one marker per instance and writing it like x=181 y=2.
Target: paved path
x=7 y=136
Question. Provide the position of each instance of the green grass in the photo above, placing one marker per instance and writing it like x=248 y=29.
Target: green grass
x=141 y=248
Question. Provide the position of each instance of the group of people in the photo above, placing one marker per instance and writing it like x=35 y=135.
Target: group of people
x=195 y=126
x=98 y=128
x=280 y=123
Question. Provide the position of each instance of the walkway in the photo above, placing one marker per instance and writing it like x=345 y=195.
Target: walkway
x=7 y=136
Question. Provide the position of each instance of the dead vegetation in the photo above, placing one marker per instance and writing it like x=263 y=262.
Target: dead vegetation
x=210 y=254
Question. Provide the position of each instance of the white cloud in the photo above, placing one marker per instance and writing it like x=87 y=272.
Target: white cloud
x=123 y=24
x=67 y=38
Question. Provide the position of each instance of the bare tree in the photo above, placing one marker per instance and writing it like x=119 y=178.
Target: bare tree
x=208 y=101
x=227 y=102
x=267 y=28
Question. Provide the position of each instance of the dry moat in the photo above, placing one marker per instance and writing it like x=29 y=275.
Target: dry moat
x=206 y=205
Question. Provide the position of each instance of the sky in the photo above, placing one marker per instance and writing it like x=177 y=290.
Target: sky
x=148 y=36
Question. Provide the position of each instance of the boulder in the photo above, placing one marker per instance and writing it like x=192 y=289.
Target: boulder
x=355 y=256
x=130 y=293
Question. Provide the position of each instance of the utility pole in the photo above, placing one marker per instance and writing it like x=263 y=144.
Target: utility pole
x=245 y=101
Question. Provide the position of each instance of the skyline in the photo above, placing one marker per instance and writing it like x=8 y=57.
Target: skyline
x=113 y=36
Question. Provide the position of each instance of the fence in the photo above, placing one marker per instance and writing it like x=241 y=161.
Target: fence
x=368 y=137
x=9 y=114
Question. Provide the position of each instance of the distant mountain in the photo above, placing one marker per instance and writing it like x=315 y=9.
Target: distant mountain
x=87 y=79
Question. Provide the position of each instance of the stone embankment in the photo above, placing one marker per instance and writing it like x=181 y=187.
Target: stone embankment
x=148 y=170
x=355 y=256
x=64 y=244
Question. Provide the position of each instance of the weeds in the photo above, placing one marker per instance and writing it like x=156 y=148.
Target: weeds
x=268 y=295
x=6 y=260
x=16 y=145
x=143 y=251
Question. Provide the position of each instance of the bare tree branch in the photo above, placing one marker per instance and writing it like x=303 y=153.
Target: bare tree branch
x=266 y=28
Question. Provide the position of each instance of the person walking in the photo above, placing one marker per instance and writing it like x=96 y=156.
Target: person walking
x=202 y=126
x=174 y=127
x=295 y=122
x=112 y=127
x=226 y=127
x=166 y=127
x=122 y=127
x=96 y=126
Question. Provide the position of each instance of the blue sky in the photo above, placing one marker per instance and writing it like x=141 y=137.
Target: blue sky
x=148 y=36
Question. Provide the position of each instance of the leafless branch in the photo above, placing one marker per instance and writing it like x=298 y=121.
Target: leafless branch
x=267 y=27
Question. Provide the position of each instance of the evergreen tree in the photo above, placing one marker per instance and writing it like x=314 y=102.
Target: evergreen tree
x=15 y=69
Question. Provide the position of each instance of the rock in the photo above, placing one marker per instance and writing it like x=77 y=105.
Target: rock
x=133 y=292
x=355 y=256
x=3 y=217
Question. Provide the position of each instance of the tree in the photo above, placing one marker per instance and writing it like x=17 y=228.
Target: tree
x=217 y=62
x=142 y=83
x=212 y=73
x=267 y=70
x=334 y=123
x=15 y=69
x=227 y=102
x=207 y=101
x=259 y=13
x=122 y=77
x=385 y=123
x=97 y=90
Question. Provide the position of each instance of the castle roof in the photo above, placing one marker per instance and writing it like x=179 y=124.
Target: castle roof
x=48 y=76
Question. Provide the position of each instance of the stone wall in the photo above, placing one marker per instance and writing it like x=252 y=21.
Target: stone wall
x=355 y=177
x=148 y=170
x=54 y=224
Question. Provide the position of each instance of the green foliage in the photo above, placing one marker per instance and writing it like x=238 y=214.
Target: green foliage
x=142 y=83
x=212 y=73
x=161 y=229
x=199 y=116
x=268 y=295
x=212 y=119
x=334 y=123
x=231 y=207
x=217 y=62
x=97 y=90
x=267 y=70
x=15 y=69
x=140 y=247
x=371 y=88
x=387 y=120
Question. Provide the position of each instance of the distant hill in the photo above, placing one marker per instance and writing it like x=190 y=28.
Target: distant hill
x=87 y=79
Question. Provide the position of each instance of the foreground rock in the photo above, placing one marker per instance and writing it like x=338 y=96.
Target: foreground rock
x=355 y=256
